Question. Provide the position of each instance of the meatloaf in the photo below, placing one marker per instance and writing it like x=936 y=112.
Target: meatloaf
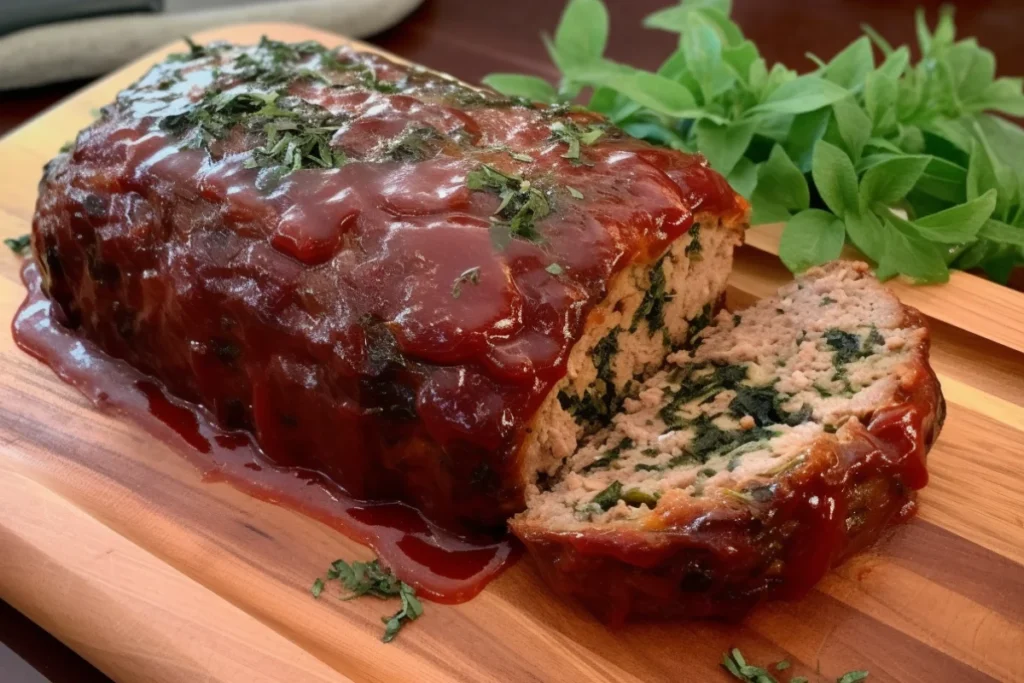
x=786 y=438
x=427 y=291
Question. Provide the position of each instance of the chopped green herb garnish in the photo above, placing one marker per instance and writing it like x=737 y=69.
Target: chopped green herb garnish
x=697 y=325
x=369 y=578
x=609 y=456
x=525 y=158
x=692 y=388
x=574 y=136
x=635 y=498
x=652 y=307
x=417 y=143
x=411 y=610
x=607 y=499
x=764 y=404
x=734 y=662
x=826 y=300
x=522 y=205
x=845 y=344
x=573 y=192
x=873 y=339
x=555 y=269
x=19 y=245
x=694 y=248
x=852 y=677
x=470 y=276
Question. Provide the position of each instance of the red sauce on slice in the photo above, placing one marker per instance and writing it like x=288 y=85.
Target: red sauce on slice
x=441 y=565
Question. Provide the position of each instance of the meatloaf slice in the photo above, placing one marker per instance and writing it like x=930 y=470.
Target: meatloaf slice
x=424 y=290
x=787 y=438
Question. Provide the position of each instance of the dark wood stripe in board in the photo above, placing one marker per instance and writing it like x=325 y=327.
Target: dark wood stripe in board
x=957 y=564
x=848 y=639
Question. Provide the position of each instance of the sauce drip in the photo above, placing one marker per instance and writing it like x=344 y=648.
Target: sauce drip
x=441 y=565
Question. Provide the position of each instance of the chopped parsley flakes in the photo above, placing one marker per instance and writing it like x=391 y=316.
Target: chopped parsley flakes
x=369 y=578
x=19 y=245
x=573 y=135
x=468 y=276
x=734 y=662
x=522 y=205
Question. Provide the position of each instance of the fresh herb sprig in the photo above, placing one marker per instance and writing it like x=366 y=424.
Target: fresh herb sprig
x=734 y=662
x=370 y=579
x=908 y=162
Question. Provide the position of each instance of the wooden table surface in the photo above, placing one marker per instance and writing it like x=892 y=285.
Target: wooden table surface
x=470 y=38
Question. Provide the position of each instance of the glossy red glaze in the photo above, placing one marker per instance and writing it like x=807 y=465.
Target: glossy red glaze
x=319 y=314
x=441 y=565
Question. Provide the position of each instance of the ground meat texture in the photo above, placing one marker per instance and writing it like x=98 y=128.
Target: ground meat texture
x=788 y=436
x=383 y=274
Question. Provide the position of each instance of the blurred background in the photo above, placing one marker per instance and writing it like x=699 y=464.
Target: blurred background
x=467 y=38
x=471 y=38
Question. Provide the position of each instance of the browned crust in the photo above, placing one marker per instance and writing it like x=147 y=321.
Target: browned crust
x=720 y=559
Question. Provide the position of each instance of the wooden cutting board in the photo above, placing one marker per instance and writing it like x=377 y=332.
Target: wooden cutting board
x=111 y=541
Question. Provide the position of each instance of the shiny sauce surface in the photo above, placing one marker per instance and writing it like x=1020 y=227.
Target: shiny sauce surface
x=375 y=270
x=441 y=565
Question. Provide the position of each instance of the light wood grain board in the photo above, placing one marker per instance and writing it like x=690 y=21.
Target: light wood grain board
x=112 y=542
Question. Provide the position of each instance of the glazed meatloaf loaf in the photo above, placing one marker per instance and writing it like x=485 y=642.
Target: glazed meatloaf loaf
x=426 y=291
x=786 y=438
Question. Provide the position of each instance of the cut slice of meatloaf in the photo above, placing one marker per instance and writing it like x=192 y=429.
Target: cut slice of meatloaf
x=788 y=437
x=424 y=290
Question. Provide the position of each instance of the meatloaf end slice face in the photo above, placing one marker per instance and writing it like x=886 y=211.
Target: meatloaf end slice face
x=789 y=437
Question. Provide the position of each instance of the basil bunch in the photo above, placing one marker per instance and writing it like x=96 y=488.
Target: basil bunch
x=905 y=161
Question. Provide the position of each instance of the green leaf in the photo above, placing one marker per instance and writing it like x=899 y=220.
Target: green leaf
x=959 y=223
x=853 y=124
x=810 y=238
x=883 y=45
x=891 y=180
x=944 y=180
x=781 y=182
x=804 y=134
x=896 y=63
x=802 y=94
x=866 y=233
x=765 y=210
x=999 y=262
x=518 y=85
x=743 y=177
x=723 y=145
x=850 y=67
x=1002 y=233
x=909 y=255
x=835 y=178
x=702 y=48
x=581 y=35
x=657 y=133
x=944 y=34
x=971 y=68
x=649 y=90
x=880 y=101
x=1003 y=95
x=676 y=19
x=740 y=58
